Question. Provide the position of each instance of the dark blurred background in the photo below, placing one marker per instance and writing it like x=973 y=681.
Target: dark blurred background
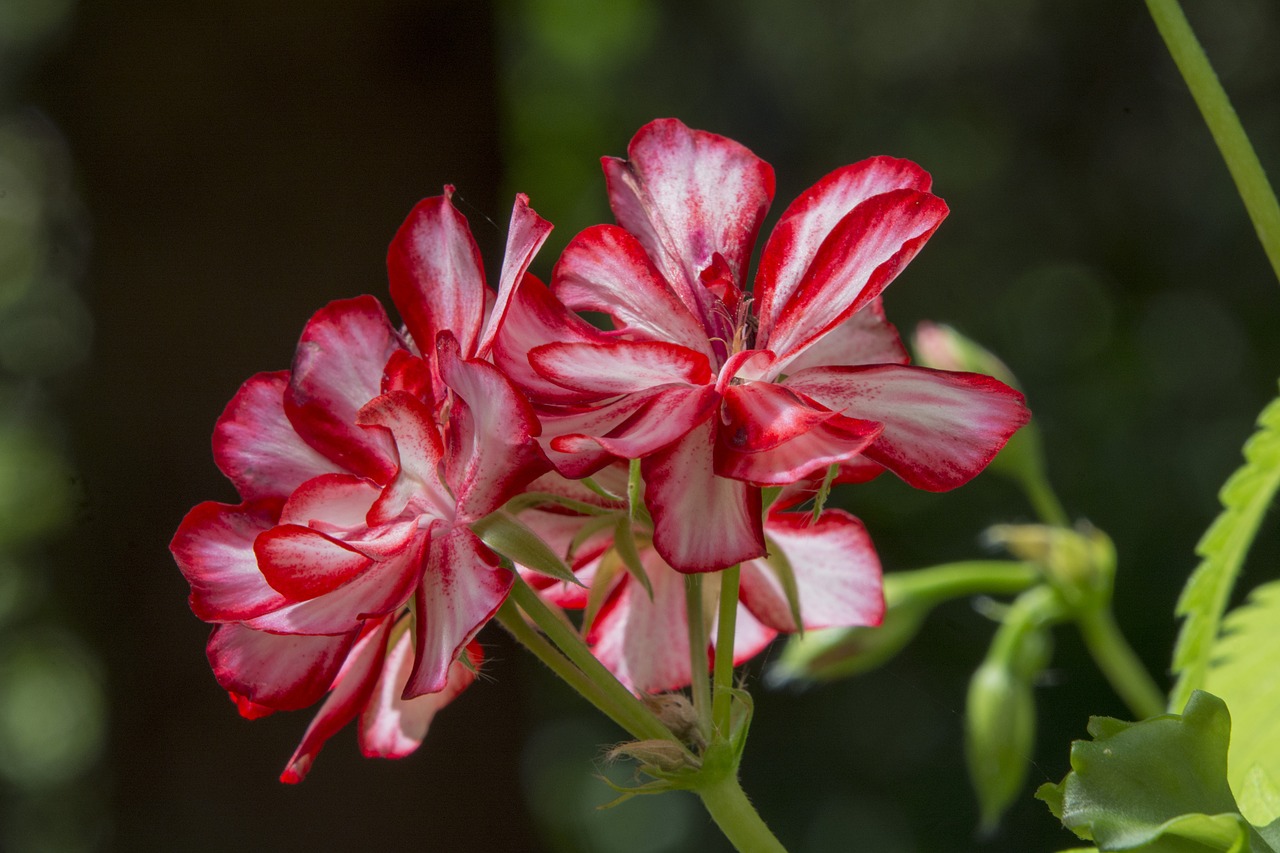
x=182 y=185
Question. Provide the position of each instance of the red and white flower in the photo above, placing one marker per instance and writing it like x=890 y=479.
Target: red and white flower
x=350 y=567
x=719 y=391
x=644 y=639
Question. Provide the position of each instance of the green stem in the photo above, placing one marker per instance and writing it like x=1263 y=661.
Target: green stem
x=1224 y=124
x=1044 y=500
x=535 y=642
x=721 y=708
x=729 y=807
x=622 y=705
x=957 y=580
x=701 y=684
x=1118 y=662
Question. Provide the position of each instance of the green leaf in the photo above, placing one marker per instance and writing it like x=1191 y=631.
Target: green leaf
x=1158 y=786
x=601 y=586
x=504 y=534
x=1242 y=671
x=779 y=564
x=526 y=500
x=624 y=542
x=1245 y=497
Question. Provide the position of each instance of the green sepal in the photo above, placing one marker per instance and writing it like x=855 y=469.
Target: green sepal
x=601 y=583
x=824 y=491
x=601 y=490
x=527 y=500
x=1158 y=786
x=779 y=564
x=512 y=539
x=624 y=542
x=589 y=528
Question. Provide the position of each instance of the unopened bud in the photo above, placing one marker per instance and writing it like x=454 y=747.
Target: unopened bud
x=1000 y=730
x=677 y=713
x=1080 y=562
x=665 y=756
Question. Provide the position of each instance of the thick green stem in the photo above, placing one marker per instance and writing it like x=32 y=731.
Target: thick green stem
x=622 y=704
x=1118 y=662
x=729 y=807
x=1044 y=500
x=726 y=625
x=957 y=580
x=701 y=684
x=1224 y=124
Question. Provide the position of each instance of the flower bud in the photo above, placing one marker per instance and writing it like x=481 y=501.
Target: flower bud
x=1080 y=562
x=1000 y=729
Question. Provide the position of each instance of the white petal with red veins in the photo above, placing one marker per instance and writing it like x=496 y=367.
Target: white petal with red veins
x=303 y=563
x=605 y=269
x=336 y=370
x=255 y=445
x=214 y=549
x=860 y=257
x=392 y=726
x=687 y=195
x=462 y=587
x=436 y=275
x=351 y=692
x=836 y=570
x=865 y=338
x=282 y=672
x=667 y=415
x=810 y=218
x=644 y=642
x=940 y=428
x=620 y=367
x=681 y=486
x=419 y=448
x=526 y=234
x=331 y=502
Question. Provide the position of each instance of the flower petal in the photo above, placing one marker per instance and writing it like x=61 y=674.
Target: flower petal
x=605 y=269
x=686 y=195
x=810 y=218
x=281 y=672
x=255 y=445
x=862 y=254
x=461 y=589
x=336 y=370
x=526 y=234
x=214 y=549
x=351 y=692
x=491 y=451
x=419 y=448
x=940 y=428
x=303 y=563
x=331 y=503
x=436 y=275
x=643 y=641
x=666 y=415
x=866 y=337
x=535 y=317
x=393 y=727
x=701 y=522
x=619 y=367
x=836 y=570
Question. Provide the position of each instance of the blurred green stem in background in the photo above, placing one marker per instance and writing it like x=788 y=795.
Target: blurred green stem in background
x=1224 y=124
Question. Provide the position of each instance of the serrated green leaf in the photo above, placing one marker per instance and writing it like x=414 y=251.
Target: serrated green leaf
x=1243 y=668
x=1245 y=498
x=1159 y=785
x=504 y=534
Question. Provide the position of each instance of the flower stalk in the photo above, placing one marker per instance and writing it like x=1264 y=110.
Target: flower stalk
x=1246 y=170
x=721 y=704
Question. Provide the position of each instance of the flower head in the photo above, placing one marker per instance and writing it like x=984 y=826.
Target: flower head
x=718 y=389
x=350 y=567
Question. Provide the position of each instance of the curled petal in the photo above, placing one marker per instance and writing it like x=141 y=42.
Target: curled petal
x=835 y=441
x=837 y=573
x=666 y=415
x=351 y=691
x=605 y=269
x=214 y=550
x=303 y=563
x=526 y=234
x=491 y=451
x=940 y=428
x=336 y=370
x=284 y=673
x=392 y=726
x=419 y=450
x=702 y=522
x=857 y=260
x=810 y=218
x=331 y=502
x=461 y=589
x=687 y=195
x=436 y=275
x=256 y=446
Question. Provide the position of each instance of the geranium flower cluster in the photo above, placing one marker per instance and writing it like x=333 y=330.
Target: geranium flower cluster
x=351 y=572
